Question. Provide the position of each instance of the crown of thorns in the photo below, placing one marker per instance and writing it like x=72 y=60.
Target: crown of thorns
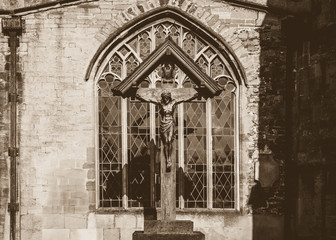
x=165 y=93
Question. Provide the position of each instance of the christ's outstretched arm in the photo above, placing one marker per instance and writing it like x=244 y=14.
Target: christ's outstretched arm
x=145 y=98
x=186 y=97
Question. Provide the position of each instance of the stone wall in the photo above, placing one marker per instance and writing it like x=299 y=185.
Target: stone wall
x=57 y=126
x=4 y=133
x=313 y=132
x=314 y=137
x=272 y=112
x=311 y=42
x=268 y=192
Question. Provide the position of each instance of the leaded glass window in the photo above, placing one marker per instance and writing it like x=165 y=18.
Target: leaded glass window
x=223 y=138
x=205 y=128
x=110 y=163
x=195 y=164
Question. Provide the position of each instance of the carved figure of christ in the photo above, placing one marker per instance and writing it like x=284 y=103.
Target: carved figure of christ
x=167 y=99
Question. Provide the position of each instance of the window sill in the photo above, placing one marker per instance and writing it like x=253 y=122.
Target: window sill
x=119 y=210
x=207 y=211
x=184 y=211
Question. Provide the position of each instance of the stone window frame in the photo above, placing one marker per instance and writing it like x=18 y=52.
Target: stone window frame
x=223 y=48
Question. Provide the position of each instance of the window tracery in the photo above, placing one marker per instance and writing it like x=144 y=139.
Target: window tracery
x=206 y=151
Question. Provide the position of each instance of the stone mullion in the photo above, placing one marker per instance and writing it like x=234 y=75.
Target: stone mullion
x=151 y=85
x=138 y=44
x=124 y=144
x=209 y=146
x=180 y=131
x=195 y=47
x=236 y=95
x=209 y=154
x=181 y=38
x=152 y=121
x=152 y=36
x=181 y=154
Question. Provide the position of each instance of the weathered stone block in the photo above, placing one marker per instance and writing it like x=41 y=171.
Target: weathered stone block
x=30 y=234
x=86 y=234
x=30 y=221
x=104 y=221
x=126 y=233
x=55 y=234
x=53 y=221
x=125 y=221
x=179 y=226
x=205 y=220
x=111 y=234
x=140 y=222
x=75 y=221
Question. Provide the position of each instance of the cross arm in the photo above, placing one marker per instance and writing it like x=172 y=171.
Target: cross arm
x=149 y=95
x=184 y=94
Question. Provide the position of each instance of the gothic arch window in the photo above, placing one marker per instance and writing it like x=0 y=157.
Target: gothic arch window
x=207 y=129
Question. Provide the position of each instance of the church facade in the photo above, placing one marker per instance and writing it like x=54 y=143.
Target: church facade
x=81 y=153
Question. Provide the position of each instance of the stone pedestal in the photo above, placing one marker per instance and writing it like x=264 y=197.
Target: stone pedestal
x=168 y=230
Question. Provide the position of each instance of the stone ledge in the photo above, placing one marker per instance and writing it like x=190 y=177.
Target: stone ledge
x=168 y=227
x=139 y=235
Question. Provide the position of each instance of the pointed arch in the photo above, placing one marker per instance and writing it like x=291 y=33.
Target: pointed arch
x=208 y=144
x=175 y=15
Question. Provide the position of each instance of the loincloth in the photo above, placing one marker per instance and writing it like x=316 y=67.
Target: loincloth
x=166 y=125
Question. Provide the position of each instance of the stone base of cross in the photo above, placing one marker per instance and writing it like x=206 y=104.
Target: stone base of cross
x=168 y=230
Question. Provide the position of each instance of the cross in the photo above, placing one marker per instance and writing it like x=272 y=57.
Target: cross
x=167 y=99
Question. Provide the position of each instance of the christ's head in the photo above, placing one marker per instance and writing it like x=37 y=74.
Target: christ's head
x=166 y=97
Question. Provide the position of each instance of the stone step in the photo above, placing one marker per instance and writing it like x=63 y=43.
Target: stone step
x=138 y=235
x=178 y=226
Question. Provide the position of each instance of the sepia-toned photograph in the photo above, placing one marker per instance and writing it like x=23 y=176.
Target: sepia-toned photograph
x=167 y=119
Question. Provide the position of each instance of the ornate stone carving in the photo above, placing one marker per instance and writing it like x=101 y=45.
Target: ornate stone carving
x=167 y=99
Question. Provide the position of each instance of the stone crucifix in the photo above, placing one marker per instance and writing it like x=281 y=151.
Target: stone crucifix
x=167 y=99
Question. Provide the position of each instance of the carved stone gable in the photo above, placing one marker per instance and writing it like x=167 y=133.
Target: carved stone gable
x=169 y=53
